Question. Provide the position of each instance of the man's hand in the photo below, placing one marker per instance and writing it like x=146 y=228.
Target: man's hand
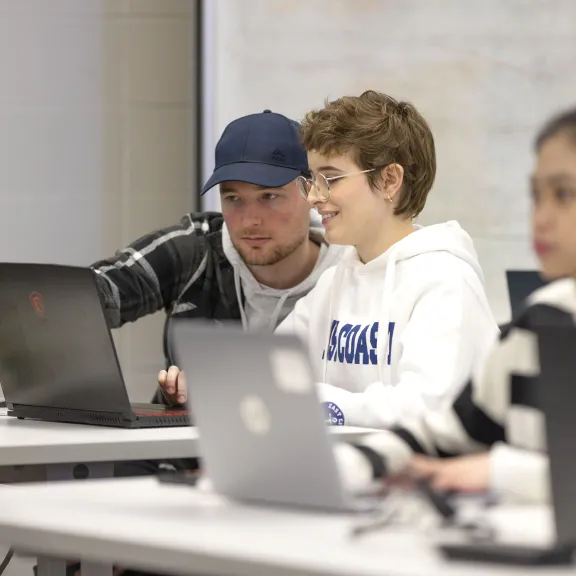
x=173 y=385
x=461 y=474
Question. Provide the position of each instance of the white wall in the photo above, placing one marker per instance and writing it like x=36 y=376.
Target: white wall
x=485 y=74
x=96 y=137
x=51 y=121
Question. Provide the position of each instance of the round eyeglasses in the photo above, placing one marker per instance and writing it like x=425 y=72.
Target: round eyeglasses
x=320 y=184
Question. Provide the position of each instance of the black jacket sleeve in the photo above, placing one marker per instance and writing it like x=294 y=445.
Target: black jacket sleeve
x=152 y=272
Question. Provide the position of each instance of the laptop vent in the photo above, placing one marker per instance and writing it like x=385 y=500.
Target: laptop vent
x=88 y=417
x=74 y=416
x=168 y=420
x=97 y=417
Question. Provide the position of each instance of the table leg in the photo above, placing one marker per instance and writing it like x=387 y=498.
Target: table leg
x=93 y=569
x=78 y=471
x=51 y=567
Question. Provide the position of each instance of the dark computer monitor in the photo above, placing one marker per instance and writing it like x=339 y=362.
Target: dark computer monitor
x=521 y=283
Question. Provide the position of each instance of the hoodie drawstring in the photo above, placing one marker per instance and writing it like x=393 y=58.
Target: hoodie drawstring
x=384 y=337
x=334 y=296
x=278 y=310
x=239 y=296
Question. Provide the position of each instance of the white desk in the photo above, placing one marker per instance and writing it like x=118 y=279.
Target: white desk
x=34 y=442
x=71 y=451
x=25 y=442
x=62 y=447
x=174 y=529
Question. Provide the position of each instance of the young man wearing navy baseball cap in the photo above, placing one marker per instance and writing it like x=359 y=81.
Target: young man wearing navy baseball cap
x=251 y=263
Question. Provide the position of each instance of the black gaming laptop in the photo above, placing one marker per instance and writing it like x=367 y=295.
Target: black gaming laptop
x=57 y=357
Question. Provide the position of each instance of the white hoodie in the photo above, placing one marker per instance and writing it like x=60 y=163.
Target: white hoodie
x=264 y=307
x=401 y=333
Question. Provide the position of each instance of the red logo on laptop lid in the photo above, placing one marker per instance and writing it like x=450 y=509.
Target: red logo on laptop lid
x=37 y=303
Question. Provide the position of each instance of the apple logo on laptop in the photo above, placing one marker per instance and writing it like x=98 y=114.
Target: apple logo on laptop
x=255 y=415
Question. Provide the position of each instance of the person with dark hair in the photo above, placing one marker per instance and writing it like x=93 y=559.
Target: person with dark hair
x=399 y=323
x=492 y=437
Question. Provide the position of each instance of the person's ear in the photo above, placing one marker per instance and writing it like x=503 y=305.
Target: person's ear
x=392 y=177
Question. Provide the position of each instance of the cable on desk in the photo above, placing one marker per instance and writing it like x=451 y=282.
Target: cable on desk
x=6 y=560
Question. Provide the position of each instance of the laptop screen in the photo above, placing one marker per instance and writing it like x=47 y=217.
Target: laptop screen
x=55 y=347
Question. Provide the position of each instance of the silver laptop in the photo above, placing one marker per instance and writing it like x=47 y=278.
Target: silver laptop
x=263 y=436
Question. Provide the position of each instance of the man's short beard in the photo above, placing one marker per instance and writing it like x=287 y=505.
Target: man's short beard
x=267 y=258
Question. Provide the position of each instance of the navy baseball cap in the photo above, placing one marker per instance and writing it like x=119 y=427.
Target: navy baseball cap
x=262 y=149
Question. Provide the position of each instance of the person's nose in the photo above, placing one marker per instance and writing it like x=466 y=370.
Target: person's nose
x=252 y=215
x=543 y=217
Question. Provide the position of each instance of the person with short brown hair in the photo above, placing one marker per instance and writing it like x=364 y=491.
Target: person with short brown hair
x=402 y=320
x=378 y=131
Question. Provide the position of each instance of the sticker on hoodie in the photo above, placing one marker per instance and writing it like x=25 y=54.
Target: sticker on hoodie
x=334 y=416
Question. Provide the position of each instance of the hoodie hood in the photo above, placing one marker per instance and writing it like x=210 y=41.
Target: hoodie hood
x=263 y=307
x=448 y=238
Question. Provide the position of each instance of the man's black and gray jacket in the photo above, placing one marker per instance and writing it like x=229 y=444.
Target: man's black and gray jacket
x=181 y=269
x=192 y=270
x=495 y=411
